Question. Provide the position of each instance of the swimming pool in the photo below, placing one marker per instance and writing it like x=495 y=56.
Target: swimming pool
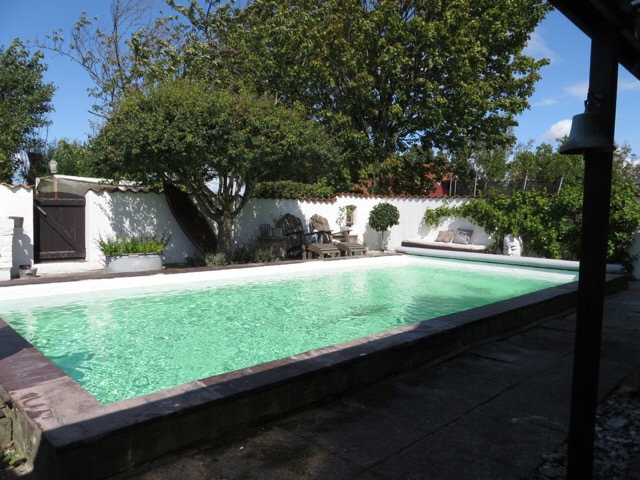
x=122 y=342
x=65 y=430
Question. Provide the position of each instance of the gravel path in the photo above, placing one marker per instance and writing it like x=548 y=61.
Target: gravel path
x=617 y=450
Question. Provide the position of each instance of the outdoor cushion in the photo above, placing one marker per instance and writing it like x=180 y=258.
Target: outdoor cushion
x=444 y=236
x=463 y=236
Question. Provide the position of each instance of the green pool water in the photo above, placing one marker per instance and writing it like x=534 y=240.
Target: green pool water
x=125 y=345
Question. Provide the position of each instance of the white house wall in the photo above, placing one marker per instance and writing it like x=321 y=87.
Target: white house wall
x=17 y=201
x=411 y=209
x=111 y=214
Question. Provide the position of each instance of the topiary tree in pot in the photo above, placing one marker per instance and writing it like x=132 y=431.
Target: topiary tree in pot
x=382 y=217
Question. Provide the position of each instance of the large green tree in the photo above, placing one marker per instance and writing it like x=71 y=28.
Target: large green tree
x=385 y=74
x=381 y=75
x=213 y=144
x=25 y=101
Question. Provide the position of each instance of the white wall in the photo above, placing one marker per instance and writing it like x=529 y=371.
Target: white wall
x=6 y=248
x=126 y=213
x=411 y=209
x=17 y=201
x=113 y=214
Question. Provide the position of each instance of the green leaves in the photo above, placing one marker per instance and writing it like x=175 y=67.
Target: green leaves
x=25 y=102
x=74 y=158
x=379 y=76
x=291 y=189
x=550 y=225
x=382 y=75
x=383 y=216
x=189 y=135
x=137 y=244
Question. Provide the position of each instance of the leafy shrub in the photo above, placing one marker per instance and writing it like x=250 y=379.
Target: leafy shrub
x=291 y=189
x=253 y=254
x=383 y=216
x=264 y=255
x=13 y=457
x=138 y=244
x=194 y=261
x=550 y=225
x=241 y=255
x=215 y=259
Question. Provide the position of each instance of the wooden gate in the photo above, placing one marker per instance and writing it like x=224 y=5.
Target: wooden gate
x=59 y=226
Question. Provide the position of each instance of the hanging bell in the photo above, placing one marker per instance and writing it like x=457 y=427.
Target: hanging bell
x=587 y=134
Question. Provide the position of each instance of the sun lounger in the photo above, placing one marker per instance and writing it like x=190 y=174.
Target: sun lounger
x=320 y=226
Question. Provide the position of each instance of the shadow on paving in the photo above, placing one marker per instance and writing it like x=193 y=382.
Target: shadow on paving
x=489 y=413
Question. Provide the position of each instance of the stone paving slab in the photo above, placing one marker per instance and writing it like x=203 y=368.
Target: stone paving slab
x=274 y=453
x=535 y=403
x=490 y=413
x=452 y=454
x=354 y=433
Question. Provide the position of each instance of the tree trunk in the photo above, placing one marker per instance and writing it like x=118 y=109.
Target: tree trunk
x=225 y=229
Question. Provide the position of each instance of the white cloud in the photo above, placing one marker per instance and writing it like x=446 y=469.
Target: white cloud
x=557 y=130
x=537 y=48
x=581 y=89
x=545 y=102
x=578 y=89
x=629 y=84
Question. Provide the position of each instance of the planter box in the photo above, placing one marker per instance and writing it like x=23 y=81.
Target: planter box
x=133 y=262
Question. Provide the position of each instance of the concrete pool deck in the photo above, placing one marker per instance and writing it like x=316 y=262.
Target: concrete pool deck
x=488 y=413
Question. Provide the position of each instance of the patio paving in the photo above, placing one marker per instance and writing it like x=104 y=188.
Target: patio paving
x=488 y=413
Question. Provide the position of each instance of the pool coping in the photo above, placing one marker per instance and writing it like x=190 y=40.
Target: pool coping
x=99 y=275
x=67 y=433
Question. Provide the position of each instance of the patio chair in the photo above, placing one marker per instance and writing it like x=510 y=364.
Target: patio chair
x=323 y=246
x=320 y=225
x=293 y=231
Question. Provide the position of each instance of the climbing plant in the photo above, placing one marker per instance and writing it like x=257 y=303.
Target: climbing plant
x=549 y=225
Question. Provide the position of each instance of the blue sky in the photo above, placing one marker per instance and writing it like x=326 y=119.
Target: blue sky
x=559 y=95
x=563 y=88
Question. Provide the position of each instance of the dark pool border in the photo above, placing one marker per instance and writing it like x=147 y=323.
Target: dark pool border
x=66 y=433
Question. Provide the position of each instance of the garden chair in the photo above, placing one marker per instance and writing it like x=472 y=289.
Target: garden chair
x=323 y=246
x=320 y=226
x=293 y=231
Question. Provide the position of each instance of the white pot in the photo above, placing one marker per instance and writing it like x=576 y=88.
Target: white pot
x=133 y=262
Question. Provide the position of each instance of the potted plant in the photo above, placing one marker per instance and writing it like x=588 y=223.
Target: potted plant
x=133 y=254
x=382 y=217
x=345 y=218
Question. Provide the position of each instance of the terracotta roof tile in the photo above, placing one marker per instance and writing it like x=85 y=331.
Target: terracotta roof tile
x=365 y=195
x=13 y=187
x=122 y=189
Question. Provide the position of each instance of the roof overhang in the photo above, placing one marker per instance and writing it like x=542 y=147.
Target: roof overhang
x=620 y=18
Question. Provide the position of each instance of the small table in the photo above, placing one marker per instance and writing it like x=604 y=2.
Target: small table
x=344 y=236
x=279 y=244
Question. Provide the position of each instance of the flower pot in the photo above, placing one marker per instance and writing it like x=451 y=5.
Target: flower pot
x=133 y=262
